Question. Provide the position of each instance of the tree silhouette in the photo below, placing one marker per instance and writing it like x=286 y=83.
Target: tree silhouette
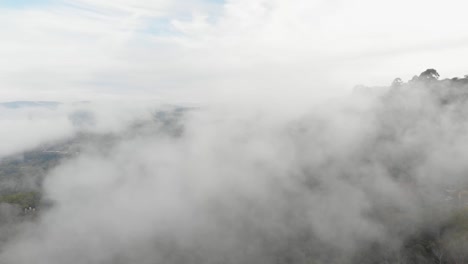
x=429 y=74
x=397 y=82
x=414 y=79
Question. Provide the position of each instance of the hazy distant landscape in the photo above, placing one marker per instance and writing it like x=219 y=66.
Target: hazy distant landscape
x=390 y=190
x=233 y=132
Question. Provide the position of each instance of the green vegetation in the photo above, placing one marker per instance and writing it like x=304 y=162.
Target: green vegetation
x=24 y=199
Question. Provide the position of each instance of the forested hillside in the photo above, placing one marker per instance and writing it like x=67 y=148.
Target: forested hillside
x=385 y=181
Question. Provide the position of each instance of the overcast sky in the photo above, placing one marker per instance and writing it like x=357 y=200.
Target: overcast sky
x=87 y=49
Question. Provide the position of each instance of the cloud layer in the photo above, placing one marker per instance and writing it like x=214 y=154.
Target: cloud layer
x=195 y=49
x=226 y=184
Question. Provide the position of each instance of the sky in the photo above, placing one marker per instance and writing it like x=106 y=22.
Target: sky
x=222 y=50
x=227 y=182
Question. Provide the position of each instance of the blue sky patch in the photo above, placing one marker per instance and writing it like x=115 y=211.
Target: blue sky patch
x=159 y=26
x=23 y=3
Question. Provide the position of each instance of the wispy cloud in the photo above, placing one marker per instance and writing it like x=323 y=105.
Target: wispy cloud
x=68 y=49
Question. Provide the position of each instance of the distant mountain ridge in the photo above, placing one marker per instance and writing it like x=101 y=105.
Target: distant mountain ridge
x=27 y=104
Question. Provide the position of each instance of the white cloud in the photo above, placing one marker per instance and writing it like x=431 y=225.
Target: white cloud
x=83 y=49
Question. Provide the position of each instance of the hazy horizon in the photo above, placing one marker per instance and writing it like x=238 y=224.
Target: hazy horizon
x=233 y=132
x=70 y=50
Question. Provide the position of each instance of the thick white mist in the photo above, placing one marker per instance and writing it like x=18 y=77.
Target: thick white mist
x=252 y=184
